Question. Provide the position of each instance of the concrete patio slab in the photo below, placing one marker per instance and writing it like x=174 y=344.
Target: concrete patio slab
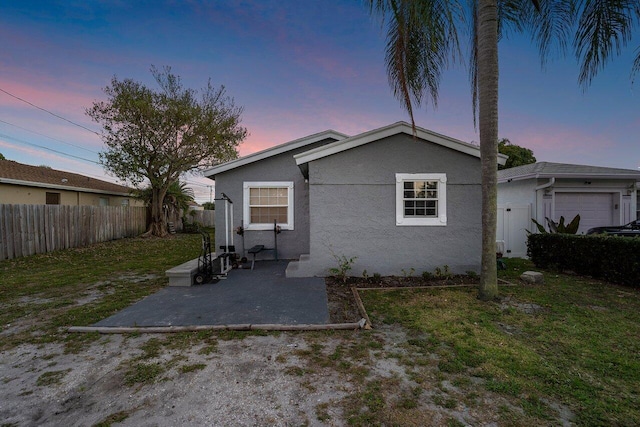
x=259 y=296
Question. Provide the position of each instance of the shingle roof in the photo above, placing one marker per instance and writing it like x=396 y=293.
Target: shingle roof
x=387 y=131
x=18 y=173
x=273 y=151
x=564 y=170
x=343 y=142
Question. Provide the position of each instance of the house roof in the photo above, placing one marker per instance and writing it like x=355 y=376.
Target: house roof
x=384 y=132
x=38 y=176
x=273 y=151
x=564 y=170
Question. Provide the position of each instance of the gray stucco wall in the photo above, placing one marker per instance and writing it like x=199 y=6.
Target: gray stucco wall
x=291 y=243
x=352 y=210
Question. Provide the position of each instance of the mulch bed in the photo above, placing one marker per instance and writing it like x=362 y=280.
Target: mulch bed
x=342 y=304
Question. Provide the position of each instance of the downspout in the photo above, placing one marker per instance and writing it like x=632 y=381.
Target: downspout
x=552 y=181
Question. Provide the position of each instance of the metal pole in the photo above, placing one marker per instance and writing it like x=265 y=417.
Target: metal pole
x=244 y=251
x=275 y=237
x=226 y=226
x=231 y=223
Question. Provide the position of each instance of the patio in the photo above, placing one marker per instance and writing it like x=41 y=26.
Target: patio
x=247 y=297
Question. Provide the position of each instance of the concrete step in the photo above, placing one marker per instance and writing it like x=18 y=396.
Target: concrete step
x=293 y=268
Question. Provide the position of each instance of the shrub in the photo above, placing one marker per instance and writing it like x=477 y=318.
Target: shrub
x=559 y=227
x=611 y=258
x=191 y=227
x=344 y=266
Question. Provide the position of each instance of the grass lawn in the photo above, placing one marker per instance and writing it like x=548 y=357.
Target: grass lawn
x=77 y=287
x=566 y=352
x=571 y=344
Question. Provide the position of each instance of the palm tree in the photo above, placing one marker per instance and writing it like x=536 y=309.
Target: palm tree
x=179 y=196
x=176 y=199
x=423 y=39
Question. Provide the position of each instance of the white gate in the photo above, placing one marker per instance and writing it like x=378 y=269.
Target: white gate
x=513 y=223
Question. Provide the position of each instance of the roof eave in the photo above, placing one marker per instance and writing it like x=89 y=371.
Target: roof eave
x=273 y=151
x=385 y=132
x=570 y=175
x=61 y=187
x=518 y=177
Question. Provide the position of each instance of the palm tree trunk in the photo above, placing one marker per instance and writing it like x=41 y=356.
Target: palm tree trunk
x=488 y=123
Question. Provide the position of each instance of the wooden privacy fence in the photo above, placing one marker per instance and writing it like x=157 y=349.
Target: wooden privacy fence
x=32 y=229
x=207 y=217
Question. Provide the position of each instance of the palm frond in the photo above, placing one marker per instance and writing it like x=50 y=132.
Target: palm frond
x=636 y=66
x=551 y=26
x=473 y=59
x=422 y=40
x=604 y=28
x=548 y=22
x=177 y=194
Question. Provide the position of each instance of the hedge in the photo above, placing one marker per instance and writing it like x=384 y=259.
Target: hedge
x=611 y=258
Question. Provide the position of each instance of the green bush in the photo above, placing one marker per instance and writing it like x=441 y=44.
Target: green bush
x=191 y=227
x=611 y=258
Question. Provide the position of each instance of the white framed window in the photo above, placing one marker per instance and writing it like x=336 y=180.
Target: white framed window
x=264 y=202
x=421 y=199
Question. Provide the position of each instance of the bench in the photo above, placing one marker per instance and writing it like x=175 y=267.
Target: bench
x=182 y=275
x=255 y=250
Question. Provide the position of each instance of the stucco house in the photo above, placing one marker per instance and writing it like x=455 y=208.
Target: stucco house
x=38 y=185
x=601 y=195
x=395 y=201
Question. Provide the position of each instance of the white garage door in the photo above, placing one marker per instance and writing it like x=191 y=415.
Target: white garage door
x=595 y=209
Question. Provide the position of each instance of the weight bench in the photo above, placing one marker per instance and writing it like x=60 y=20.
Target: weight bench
x=256 y=250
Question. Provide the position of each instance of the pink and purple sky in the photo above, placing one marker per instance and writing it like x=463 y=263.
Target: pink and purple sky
x=296 y=66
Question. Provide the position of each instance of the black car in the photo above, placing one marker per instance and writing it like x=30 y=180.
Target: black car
x=628 y=230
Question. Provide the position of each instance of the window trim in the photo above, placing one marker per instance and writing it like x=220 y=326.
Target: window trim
x=246 y=211
x=441 y=220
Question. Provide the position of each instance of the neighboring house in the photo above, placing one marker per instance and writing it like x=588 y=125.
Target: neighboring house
x=396 y=202
x=38 y=185
x=602 y=196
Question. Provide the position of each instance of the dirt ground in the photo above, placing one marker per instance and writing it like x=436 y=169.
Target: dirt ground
x=242 y=382
x=235 y=379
